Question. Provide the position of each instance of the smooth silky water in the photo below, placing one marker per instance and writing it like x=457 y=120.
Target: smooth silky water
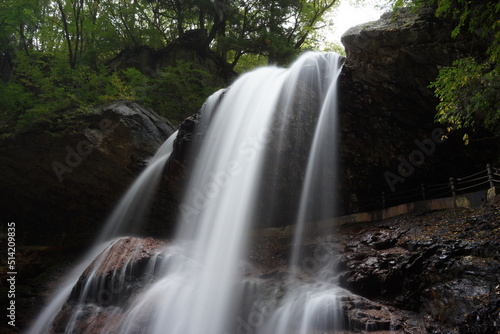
x=133 y=206
x=196 y=283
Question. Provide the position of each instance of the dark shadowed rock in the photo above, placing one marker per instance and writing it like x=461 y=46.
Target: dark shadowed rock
x=190 y=47
x=443 y=266
x=59 y=186
x=386 y=105
x=97 y=302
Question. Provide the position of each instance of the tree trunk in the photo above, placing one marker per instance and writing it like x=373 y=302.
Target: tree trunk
x=66 y=32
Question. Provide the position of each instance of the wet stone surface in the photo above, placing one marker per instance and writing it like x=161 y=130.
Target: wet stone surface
x=97 y=301
x=436 y=272
x=444 y=266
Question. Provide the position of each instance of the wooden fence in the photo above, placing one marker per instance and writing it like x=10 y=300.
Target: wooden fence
x=454 y=186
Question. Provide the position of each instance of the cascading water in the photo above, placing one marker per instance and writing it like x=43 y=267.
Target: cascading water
x=136 y=202
x=194 y=284
x=132 y=207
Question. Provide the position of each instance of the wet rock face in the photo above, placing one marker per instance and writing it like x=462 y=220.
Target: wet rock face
x=98 y=300
x=434 y=272
x=416 y=274
x=285 y=147
x=130 y=256
x=386 y=103
x=60 y=186
x=445 y=268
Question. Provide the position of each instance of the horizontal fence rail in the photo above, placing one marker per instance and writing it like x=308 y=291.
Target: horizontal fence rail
x=482 y=180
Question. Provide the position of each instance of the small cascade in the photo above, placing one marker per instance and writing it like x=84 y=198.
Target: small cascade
x=267 y=157
x=319 y=190
x=308 y=309
x=97 y=299
x=134 y=206
x=129 y=207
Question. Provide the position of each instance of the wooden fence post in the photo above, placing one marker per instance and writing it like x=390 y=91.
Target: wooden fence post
x=489 y=169
x=453 y=186
x=453 y=190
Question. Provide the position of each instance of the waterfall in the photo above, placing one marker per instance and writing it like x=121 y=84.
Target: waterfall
x=132 y=208
x=247 y=173
x=320 y=176
x=135 y=204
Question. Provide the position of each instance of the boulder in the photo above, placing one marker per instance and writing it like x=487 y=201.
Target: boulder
x=97 y=302
x=387 y=106
x=59 y=186
x=443 y=266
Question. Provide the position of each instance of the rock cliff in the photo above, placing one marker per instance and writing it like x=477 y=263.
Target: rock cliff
x=386 y=104
x=59 y=186
x=387 y=111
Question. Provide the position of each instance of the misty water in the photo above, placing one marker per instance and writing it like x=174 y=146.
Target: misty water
x=245 y=178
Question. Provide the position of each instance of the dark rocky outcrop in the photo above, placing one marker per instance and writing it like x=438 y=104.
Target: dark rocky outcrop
x=114 y=277
x=445 y=266
x=59 y=186
x=428 y=272
x=434 y=272
x=386 y=105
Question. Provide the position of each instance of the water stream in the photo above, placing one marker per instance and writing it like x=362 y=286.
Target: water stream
x=132 y=207
x=246 y=165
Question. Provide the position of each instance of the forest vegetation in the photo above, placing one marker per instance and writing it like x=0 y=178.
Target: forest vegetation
x=469 y=90
x=55 y=54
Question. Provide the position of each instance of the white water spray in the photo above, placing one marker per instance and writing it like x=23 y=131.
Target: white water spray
x=198 y=288
x=131 y=208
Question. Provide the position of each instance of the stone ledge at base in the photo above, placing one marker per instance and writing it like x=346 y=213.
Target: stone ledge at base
x=471 y=201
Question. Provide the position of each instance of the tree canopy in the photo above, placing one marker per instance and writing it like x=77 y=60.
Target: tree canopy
x=89 y=31
x=57 y=51
x=469 y=89
x=53 y=53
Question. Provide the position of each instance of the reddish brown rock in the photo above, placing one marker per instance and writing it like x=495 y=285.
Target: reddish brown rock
x=101 y=294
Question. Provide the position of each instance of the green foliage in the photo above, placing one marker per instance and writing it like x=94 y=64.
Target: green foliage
x=275 y=29
x=469 y=95
x=15 y=100
x=19 y=22
x=178 y=91
x=59 y=48
x=43 y=89
x=247 y=62
x=469 y=89
x=334 y=47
